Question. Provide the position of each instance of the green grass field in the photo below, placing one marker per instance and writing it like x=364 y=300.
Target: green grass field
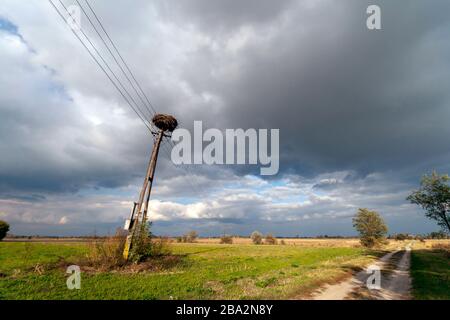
x=205 y=271
x=430 y=271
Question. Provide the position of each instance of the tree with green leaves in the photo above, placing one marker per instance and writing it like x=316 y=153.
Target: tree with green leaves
x=434 y=197
x=4 y=228
x=371 y=227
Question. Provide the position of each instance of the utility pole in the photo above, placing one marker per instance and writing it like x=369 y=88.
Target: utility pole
x=138 y=217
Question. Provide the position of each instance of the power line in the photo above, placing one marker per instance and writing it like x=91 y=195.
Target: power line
x=148 y=104
x=109 y=50
x=98 y=62
x=143 y=117
x=107 y=65
x=120 y=56
x=150 y=113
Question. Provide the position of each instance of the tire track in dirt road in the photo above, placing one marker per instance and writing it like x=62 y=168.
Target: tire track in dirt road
x=395 y=281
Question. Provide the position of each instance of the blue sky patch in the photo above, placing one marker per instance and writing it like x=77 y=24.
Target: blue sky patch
x=8 y=26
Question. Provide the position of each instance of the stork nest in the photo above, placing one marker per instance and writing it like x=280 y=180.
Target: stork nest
x=165 y=122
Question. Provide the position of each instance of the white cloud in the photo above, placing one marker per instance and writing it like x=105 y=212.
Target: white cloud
x=63 y=220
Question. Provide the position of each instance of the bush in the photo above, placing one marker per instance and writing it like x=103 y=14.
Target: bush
x=159 y=247
x=142 y=245
x=4 y=228
x=192 y=236
x=108 y=253
x=282 y=242
x=189 y=237
x=225 y=239
x=270 y=239
x=402 y=236
x=371 y=228
x=256 y=237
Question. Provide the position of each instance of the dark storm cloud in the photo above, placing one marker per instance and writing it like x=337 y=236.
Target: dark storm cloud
x=46 y=144
x=225 y=16
x=344 y=97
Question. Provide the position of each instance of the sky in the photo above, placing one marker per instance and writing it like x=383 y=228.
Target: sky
x=363 y=114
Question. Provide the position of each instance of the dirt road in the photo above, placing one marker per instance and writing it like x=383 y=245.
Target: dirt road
x=394 y=284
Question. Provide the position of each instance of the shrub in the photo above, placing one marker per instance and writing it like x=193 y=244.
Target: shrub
x=142 y=244
x=270 y=239
x=256 y=237
x=191 y=237
x=159 y=247
x=402 y=236
x=108 y=253
x=282 y=242
x=371 y=228
x=225 y=239
x=4 y=228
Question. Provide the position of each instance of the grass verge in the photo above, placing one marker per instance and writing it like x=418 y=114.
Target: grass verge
x=430 y=272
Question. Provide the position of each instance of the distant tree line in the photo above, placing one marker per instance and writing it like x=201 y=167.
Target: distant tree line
x=432 y=235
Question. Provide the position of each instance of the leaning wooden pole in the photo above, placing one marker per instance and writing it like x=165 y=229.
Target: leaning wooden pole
x=138 y=218
x=152 y=173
